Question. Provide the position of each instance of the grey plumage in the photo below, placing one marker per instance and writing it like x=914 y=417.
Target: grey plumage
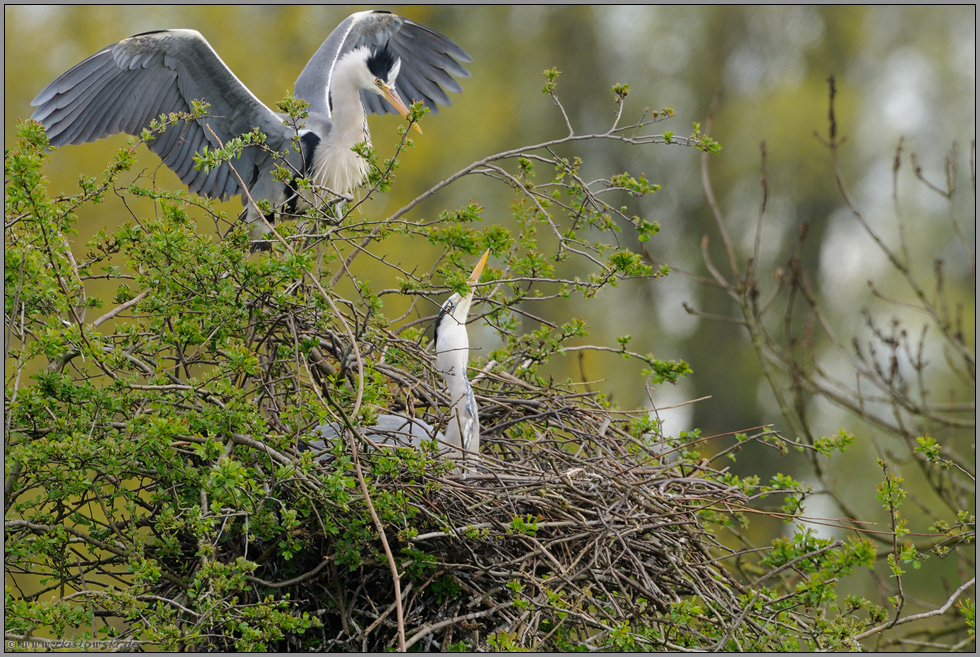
x=389 y=431
x=432 y=58
x=123 y=87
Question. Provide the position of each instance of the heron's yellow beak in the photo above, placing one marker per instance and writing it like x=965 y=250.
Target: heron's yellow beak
x=397 y=103
x=475 y=276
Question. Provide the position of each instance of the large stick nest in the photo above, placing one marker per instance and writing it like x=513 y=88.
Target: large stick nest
x=569 y=532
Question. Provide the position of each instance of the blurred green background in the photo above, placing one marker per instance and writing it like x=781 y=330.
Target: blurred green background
x=902 y=73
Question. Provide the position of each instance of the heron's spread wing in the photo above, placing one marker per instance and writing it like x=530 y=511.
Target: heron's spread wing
x=125 y=86
x=429 y=60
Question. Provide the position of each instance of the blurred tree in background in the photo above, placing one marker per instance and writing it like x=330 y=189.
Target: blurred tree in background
x=822 y=266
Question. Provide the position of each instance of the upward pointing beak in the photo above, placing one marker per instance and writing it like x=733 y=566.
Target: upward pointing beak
x=475 y=276
x=397 y=103
x=464 y=305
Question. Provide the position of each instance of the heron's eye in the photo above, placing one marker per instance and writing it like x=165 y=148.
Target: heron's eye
x=378 y=83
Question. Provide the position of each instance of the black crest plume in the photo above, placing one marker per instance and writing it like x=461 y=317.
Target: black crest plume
x=381 y=62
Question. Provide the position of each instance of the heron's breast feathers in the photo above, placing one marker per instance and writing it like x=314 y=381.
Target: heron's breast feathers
x=336 y=166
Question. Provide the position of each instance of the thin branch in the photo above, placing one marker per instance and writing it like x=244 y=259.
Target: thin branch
x=917 y=617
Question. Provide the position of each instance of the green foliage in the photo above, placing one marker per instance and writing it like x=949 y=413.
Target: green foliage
x=621 y=90
x=525 y=525
x=968 y=608
x=666 y=371
x=156 y=447
x=703 y=141
x=147 y=460
x=550 y=75
x=827 y=445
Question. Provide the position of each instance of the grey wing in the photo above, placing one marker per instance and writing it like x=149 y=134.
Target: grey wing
x=390 y=431
x=428 y=61
x=401 y=431
x=122 y=88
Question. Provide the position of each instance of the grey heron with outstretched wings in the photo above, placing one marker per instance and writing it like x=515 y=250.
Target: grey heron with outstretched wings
x=461 y=440
x=123 y=87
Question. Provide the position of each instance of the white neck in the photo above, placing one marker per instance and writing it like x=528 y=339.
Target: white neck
x=463 y=418
x=457 y=384
x=335 y=165
x=452 y=365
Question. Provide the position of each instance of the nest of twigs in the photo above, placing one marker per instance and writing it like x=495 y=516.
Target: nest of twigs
x=569 y=531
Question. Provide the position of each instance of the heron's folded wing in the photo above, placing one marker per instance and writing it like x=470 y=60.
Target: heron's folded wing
x=388 y=431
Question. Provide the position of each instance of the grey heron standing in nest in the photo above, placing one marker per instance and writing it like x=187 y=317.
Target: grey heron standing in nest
x=123 y=87
x=461 y=440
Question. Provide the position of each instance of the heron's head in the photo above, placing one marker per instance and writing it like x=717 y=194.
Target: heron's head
x=383 y=67
x=450 y=337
